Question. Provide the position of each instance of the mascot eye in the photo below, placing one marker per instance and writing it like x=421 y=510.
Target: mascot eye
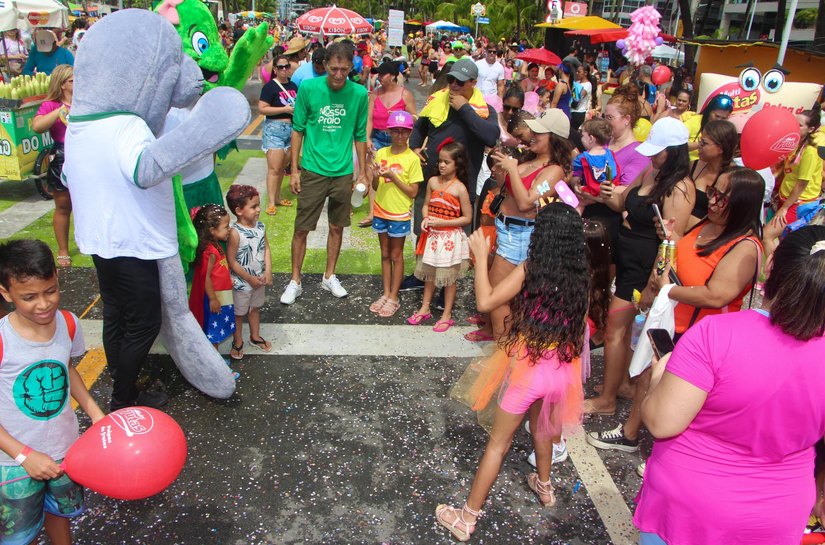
x=200 y=42
x=773 y=80
x=749 y=79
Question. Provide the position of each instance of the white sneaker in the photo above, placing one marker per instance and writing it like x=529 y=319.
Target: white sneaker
x=292 y=291
x=640 y=469
x=333 y=286
x=559 y=454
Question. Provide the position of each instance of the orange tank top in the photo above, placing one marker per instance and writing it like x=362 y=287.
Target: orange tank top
x=696 y=270
x=443 y=205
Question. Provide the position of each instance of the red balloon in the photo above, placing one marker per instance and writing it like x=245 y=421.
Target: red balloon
x=770 y=135
x=129 y=454
x=661 y=74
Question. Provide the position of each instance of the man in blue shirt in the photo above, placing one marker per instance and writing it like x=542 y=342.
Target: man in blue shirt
x=309 y=70
x=47 y=54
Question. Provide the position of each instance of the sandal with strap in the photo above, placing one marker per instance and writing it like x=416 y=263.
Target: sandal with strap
x=285 y=202
x=271 y=210
x=237 y=350
x=458 y=517
x=542 y=490
x=262 y=344
x=64 y=261
x=375 y=307
x=389 y=309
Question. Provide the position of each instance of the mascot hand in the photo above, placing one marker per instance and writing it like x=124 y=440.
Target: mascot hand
x=219 y=117
x=246 y=55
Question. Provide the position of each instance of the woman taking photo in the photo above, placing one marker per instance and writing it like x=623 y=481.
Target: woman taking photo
x=538 y=363
x=716 y=148
x=516 y=215
x=667 y=186
x=277 y=104
x=51 y=116
x=736 y=416
x=717 y=262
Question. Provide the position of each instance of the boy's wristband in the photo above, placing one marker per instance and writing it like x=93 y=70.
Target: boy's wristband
x=20 y=458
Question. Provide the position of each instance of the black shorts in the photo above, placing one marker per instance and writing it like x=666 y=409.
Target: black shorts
x=53 y=176
x=433 y=67
x=634 y=260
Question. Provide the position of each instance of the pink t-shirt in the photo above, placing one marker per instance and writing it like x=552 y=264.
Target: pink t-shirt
x=743 y=470
x=58 y=130
x=631 y=162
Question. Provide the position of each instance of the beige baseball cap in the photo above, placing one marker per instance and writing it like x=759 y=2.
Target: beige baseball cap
x=553 y=120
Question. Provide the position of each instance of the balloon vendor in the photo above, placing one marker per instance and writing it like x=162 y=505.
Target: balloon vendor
x=37 y=341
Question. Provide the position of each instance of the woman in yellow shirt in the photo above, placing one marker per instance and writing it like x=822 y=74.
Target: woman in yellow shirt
x=803 y=170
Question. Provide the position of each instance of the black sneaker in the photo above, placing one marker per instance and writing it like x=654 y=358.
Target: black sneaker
x=154 y=399
x=612 y=440
x=411 y=283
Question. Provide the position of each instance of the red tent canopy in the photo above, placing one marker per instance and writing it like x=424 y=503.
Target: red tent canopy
x=598 y=36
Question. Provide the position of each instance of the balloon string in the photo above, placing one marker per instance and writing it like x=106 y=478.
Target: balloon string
x=4 y=483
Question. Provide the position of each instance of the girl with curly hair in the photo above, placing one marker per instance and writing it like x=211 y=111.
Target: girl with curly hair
x=211 y=297
x=537 y=369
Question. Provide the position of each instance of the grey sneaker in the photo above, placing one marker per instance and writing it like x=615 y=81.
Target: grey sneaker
x=293 y=291
x=559 y=454
x=612 y=440
x=333 y=286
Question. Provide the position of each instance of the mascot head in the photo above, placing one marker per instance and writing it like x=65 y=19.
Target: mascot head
x=146 y=75
x=199 y=34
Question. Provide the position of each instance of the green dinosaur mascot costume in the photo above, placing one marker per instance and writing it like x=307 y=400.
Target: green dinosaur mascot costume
x=199 y=33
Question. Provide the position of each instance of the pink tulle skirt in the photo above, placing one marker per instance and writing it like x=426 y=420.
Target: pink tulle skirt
x=515 y=385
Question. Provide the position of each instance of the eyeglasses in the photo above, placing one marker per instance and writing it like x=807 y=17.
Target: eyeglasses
x=703 y=143
x=282 y=66
x=452 y=80
x=511 y=108
x=720 y=197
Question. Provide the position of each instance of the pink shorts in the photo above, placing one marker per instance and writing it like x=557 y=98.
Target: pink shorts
x=535 y=382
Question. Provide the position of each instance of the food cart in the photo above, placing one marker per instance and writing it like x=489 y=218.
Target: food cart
x=23 y=152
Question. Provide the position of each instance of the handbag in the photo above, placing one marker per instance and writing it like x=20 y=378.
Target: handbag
x=495 y=204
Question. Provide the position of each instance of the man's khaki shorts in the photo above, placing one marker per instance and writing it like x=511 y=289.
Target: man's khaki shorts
x=315 y=189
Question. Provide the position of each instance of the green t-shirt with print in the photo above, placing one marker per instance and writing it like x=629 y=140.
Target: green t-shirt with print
x=330 y=121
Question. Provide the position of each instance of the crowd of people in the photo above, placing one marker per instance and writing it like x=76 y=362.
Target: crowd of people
x=477 y=173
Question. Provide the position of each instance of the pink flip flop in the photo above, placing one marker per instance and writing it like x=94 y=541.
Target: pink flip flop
x=417 y=318
x=477 y=319
x=478 y=336
x=443 y=325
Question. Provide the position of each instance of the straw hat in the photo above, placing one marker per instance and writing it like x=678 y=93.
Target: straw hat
x=294 y=45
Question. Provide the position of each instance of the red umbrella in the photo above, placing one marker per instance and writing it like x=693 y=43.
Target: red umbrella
x=333 y=21
x=603 y=35
x=539 y=56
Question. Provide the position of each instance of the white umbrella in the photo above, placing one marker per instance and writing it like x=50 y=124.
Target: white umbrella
x=666 y=52
x=443 y=25
x=43 y=13
x=8 y=16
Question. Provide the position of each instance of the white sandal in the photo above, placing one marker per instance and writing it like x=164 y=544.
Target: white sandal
x=542 y=489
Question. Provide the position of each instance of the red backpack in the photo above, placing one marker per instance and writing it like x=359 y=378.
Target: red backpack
x=70 y=325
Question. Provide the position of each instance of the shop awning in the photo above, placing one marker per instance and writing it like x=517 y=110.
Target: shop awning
x=598 y=36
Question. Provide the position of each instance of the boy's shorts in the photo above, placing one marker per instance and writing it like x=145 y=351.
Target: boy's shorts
x=393 y=228
x=25 y=503
x=245 y=301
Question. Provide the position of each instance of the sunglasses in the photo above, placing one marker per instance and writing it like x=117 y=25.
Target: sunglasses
x=720 y=197
x=282 y=66
x=452 y=80
x=511 y=108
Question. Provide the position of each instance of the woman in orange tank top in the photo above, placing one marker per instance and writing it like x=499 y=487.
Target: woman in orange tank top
x=717 y=263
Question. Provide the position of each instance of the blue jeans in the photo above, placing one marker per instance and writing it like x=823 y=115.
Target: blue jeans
x=647 y=538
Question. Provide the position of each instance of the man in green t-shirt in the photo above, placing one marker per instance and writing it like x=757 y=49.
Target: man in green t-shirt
x=330 y=113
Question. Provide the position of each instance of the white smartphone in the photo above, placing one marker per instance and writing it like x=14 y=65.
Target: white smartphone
x=661 y=220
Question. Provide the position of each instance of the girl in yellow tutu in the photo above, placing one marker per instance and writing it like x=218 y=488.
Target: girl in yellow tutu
x=536 y=369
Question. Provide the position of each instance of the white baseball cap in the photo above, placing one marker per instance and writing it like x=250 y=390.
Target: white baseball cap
x=666 y=132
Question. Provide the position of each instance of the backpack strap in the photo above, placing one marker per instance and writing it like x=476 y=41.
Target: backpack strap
x=71 y=325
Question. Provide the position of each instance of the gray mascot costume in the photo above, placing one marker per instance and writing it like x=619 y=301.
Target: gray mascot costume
x=130 y=71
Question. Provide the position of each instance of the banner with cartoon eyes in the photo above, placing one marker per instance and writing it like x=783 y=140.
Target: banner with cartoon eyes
x=753 y=90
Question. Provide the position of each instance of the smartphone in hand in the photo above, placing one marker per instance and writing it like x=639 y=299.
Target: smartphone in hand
x=661 y=341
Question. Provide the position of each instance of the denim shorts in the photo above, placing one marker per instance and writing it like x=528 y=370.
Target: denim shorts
x=25 y=503
x=647 y=538
x=277 y=135
x=395 y=229
x=513 y=241
x=381 y=139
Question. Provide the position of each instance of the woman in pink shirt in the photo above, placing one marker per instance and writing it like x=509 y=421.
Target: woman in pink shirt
x=51 y=116
x=736 y=412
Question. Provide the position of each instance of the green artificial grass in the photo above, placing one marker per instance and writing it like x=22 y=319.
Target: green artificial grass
x=363 y=258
